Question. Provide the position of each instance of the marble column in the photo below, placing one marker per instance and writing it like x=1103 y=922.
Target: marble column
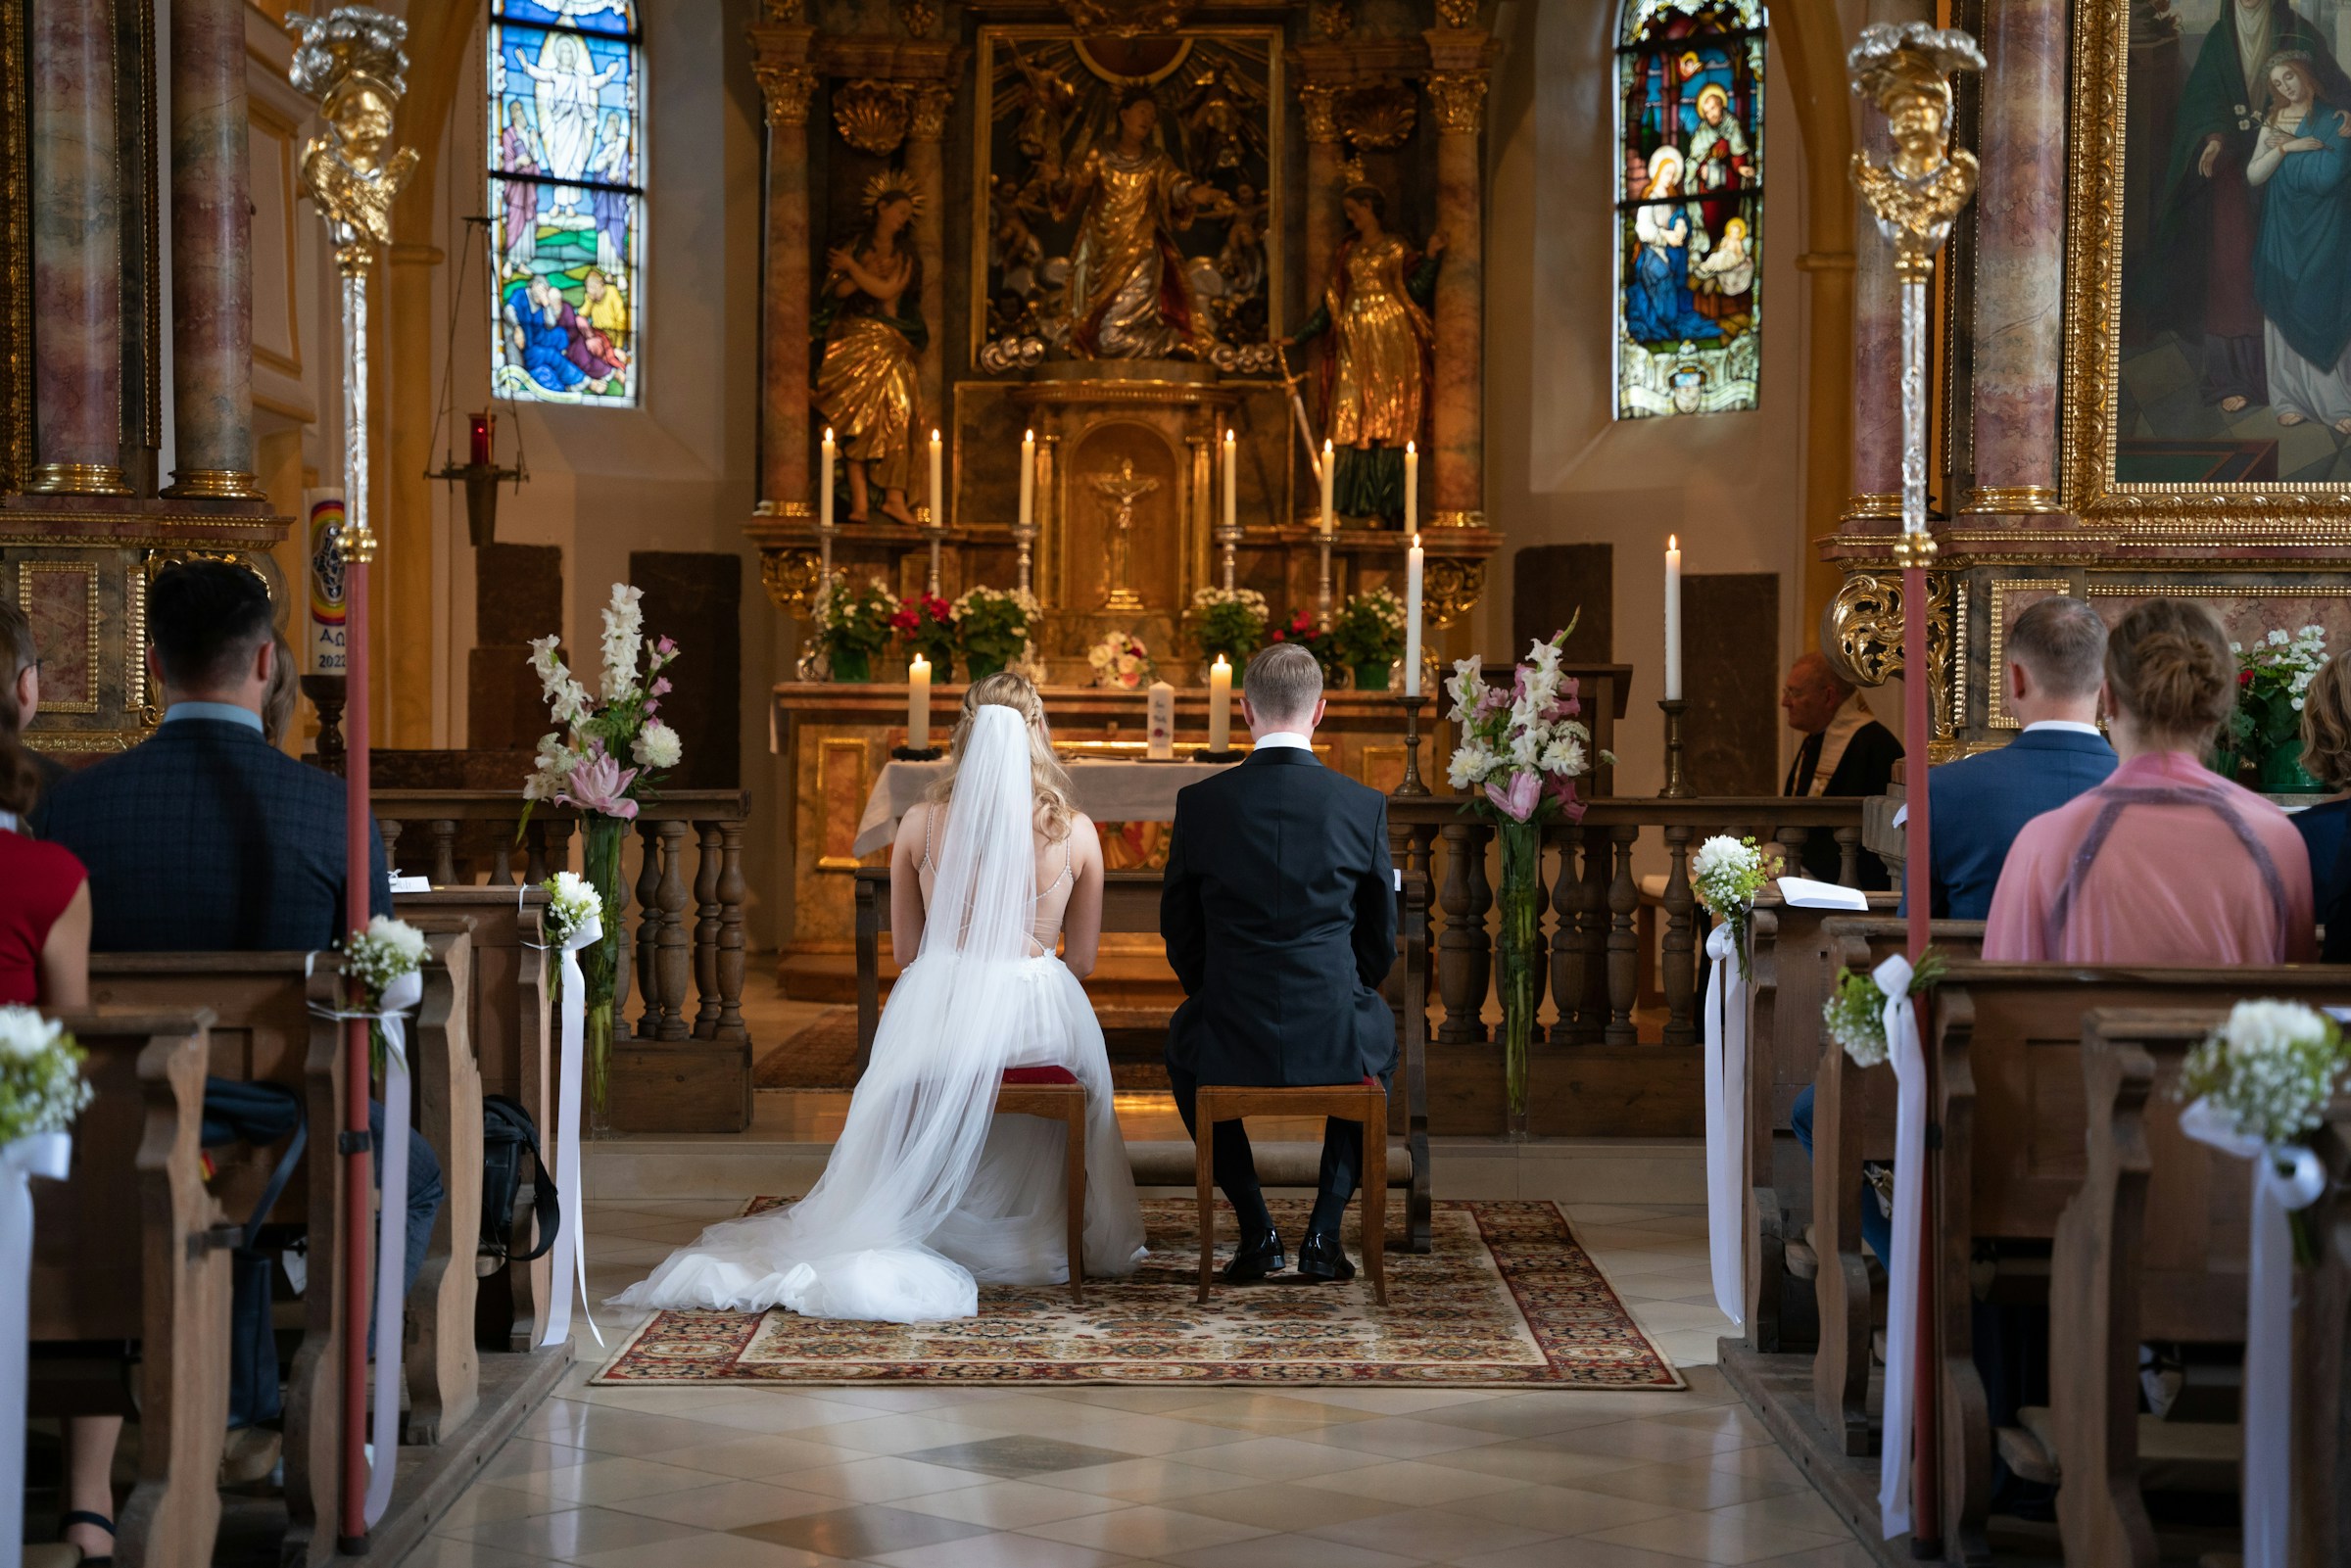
x=2019 y=263
x=1324 y=220
x=786 y=81
x=76 y=252
x=212 y=255
x=1877 y=390
x=1457 y=460
x=928 y=169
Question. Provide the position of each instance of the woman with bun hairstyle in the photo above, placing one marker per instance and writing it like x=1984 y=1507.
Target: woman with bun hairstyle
x=2165 y=862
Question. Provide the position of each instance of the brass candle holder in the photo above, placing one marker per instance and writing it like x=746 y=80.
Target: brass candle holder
x=1412 y=785
x=1677 y=786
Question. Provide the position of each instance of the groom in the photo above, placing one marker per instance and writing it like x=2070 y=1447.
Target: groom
x=1280 y=915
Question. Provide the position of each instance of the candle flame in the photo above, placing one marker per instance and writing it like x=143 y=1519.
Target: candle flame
x=1415 y=539
x=827 y=435
x=1410 y=449
x=1326 y=445
x=1673 y=543
x=1221 y=664
x=1229 y=436
x=1028 y=439
x=935 y=436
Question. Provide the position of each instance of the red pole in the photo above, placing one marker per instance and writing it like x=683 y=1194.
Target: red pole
x=1926 y=1524
x=357 y=1171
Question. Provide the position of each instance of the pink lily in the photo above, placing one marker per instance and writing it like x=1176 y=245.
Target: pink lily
x=1562 y=791
x=1520 y=800
x=601 y=785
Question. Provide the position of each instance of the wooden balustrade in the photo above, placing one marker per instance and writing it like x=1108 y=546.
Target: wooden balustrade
x=1593 y=928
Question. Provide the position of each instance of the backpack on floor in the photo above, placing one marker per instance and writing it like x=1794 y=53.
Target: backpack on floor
x=507 y=1133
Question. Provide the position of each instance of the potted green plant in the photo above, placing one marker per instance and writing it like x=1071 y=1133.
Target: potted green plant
x=1230 y=621
x=2264 y=728
x=925 y=624
x=1302 y=630
x=991 y=629
x=1367 y=637
x=855 y=625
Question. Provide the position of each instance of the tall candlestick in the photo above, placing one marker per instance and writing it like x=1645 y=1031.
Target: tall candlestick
x=918 y=705
x=1027 y=479
x=1411 y=609
x=1161 y=737
x=824 y=483
x=1220 y=705
x=1329 y=467
x=1673 y=619
x=939 y=495
x=1232 y=499
x=1411 y=489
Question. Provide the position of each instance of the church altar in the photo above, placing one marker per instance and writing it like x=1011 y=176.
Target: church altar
x=1112 y=789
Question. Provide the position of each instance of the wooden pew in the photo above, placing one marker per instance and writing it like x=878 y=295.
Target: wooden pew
x=2005 y=1048
x=2153 y=1246
x=1130 y=903
x=265 y=1028
x=1789 y=952
x=137 y=1151
x=511 y=1024
x=1852 y=1121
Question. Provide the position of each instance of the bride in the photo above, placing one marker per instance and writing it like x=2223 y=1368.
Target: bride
x=927 y=1192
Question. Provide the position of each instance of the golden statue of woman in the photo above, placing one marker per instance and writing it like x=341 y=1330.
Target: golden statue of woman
x=869 y=312
x=1375 y=372
x=1129 y=298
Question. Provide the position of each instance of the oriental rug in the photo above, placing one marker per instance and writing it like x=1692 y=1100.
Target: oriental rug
x=1507 y=1297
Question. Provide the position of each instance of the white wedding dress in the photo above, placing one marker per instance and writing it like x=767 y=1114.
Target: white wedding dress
x=929 y=1192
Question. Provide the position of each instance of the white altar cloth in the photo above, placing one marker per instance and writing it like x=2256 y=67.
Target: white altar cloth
x=1108 y=790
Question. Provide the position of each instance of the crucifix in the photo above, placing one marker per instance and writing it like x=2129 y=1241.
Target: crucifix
x=1120 y=492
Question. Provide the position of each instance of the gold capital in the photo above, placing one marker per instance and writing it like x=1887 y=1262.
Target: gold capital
x=1322 y=104
x=933 y=102
x=787 y=90
x=1459 y=100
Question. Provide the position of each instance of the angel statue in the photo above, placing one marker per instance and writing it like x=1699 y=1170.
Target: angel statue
x=1129 y=295
x=1375 y=372
x=869 y=314
x=353 y=59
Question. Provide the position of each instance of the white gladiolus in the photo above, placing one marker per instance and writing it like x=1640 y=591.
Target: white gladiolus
x=624 y=635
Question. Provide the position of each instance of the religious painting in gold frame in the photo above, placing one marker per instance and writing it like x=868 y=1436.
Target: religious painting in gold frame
x=2207 y=385
x=1045 y=93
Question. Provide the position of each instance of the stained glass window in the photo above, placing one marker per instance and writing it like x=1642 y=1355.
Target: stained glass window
x=566 y=207
x=1690 y=209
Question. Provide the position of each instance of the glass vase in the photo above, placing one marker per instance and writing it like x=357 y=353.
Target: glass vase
x=1373 y=677
x=1520 y=950
x=2280 y=772
x=852 y=665
x=599 y=962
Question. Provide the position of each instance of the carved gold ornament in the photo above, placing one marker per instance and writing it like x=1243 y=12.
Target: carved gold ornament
x=785 y=11
x=931 y=103
x=790 y=578
x=1458 y=13
x=1458 y=98
x=1451 y=589
x=1861 y=635
x=351 y=60
x=1126 y=18
x=787 y=90
x=1322 y=105
x=1334 y=19
x=1904 y=69
x=1378 y=114
x=893 y=185
x=918 y=17
x=872 y=116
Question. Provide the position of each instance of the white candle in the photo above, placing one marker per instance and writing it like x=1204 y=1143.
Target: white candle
x=1411 y=613
x=1673 y=619
x=1411 y=501
x=1220 y=705
x=1163 y=721
x=824 y=483
x=1028 y=477
x=939 y=495
x=1232 y=499
x=1329 y=469
x=918 y=705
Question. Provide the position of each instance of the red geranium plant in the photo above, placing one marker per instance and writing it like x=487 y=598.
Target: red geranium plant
x=1303 y=632
x=926 y=623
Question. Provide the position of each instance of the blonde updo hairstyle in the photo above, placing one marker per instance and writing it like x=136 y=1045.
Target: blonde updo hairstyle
x=1056 y=805
x=2327 y=723
x=2169 y=668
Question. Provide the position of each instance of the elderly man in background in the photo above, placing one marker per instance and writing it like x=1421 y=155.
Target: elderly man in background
x=1846 y=752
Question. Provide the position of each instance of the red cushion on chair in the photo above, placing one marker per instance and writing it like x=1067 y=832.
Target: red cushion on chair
x=1040 y=1076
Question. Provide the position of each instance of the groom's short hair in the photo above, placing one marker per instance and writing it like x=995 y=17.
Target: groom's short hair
x=1283 y=682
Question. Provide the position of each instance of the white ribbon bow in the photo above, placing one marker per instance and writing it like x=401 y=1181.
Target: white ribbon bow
x=392 y=1237
x=2285 y=1178
x=1726 y=1124
x=570 y=1262
x=1909 y=1059
x=49 y=1155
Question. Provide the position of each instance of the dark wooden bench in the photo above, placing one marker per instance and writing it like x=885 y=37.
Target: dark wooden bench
x=1130 y=904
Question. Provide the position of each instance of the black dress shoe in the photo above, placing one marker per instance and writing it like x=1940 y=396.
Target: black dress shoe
x=1321 y=1256
x=1259 y=1255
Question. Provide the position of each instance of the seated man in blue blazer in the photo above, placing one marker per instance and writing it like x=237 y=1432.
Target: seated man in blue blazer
x=2057 y=658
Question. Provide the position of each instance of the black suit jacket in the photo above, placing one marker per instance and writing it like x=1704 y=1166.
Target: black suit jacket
x=1865 y=768
x=207 y=839
x=1279 y=914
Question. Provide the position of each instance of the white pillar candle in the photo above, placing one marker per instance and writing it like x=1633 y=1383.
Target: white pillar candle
x=1411 y=616
x=1163 y=721
x=1329 y=469
x=939 y=495
x=1411 y=494
x=1674 y=618
x=1232 y=499
x=1027 y=478
x=918 y=705
x=1220 y=705
x=823 y=482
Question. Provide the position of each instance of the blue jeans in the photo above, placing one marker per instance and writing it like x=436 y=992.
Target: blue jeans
x=1876 y=1229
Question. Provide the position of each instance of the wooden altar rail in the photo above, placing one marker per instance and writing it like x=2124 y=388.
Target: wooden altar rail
x=668 y=947
x=1590 y=915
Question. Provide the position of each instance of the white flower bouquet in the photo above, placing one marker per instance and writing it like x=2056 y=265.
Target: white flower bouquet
x=1854 y=1015
x=1725 y=876
x=2269 y=1070
x=1121 y=662
x=377 y=959
x=572 y=901
x=1521 y=749
x=579 y=763
x=41 y=1087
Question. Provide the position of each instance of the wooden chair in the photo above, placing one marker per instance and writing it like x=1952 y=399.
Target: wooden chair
x=1056 y=1095
x=1365 y=1102
x=138 y=1160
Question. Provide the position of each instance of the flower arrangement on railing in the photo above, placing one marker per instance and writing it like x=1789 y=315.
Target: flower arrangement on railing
x=376 y=959
x=2265 y=728
x=580 y=767
x=992 y=628
x=574 y=921
x=926 y=625
x=1230 y=621
x=41 y=1093
x=1725 y=876
x=1121 y=662
x=1367 y=637
x=1521 y=753
x=1853 y=1017
x=1302 y=630
x=853 y=624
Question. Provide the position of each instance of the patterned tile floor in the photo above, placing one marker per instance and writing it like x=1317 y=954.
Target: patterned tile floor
x=1201 y=1478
